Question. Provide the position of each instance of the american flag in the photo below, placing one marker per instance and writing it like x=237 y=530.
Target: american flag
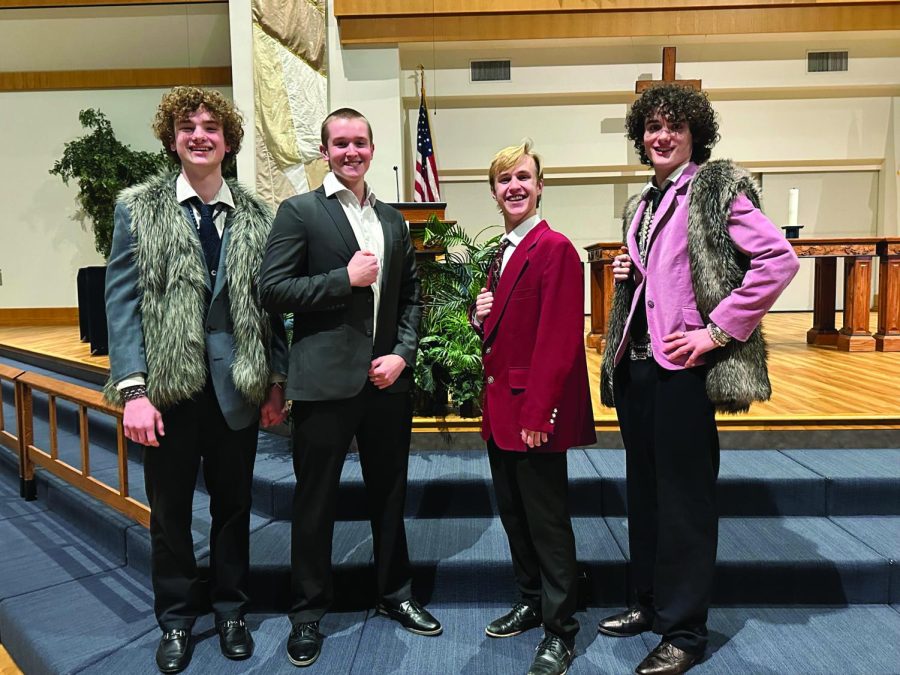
x=428 y=185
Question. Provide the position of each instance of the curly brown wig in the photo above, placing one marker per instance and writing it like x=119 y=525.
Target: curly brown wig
x=675 y=102
x=182 y=102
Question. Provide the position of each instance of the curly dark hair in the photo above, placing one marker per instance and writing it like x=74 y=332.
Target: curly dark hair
x=675 y=102
x=182 y=102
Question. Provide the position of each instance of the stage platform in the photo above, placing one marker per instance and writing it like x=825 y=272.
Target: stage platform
x=814 y=388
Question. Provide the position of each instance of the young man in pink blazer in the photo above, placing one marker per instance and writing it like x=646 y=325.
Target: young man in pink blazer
x=701 y=268
x=537 y=404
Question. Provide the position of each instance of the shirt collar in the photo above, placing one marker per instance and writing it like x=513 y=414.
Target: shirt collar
x=184 y=191
x=333 y=185
x=521 y=230
x=673 y=178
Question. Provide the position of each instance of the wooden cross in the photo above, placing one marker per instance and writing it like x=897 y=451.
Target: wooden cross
x=668 y=65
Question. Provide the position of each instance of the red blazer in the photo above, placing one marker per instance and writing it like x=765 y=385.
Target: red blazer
x=533 y=348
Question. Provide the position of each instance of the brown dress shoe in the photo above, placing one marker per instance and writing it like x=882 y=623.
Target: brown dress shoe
x=667 y=659
x=632 y=621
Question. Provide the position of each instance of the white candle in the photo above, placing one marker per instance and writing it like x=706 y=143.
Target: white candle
x=793 y=206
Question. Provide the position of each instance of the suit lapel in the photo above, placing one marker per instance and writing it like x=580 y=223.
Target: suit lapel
x=631 y=242
x=342 y=225
x=385 y=219
x=221 y=274
x=516 y=265
x=674 y=196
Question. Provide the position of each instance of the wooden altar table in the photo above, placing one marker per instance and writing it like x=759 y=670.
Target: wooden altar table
x=857 y=253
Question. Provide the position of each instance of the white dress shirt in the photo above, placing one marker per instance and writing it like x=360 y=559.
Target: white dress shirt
x=366 y=227
x=516 y=236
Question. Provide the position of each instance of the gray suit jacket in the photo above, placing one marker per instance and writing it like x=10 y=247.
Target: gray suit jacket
x=126 y=335
x=305 y=271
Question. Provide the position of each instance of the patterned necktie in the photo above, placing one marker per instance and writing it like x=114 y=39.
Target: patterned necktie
x=497 y=266
x=209 y=236
x=653 y=198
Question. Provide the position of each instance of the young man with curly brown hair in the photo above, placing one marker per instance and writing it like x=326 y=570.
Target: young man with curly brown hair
x=195 y=361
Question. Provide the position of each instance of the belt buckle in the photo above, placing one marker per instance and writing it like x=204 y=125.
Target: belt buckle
x=640 y=351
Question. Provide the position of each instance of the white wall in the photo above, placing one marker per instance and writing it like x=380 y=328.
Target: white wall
x=42 y=243
x=587 y=139
x=369 y=81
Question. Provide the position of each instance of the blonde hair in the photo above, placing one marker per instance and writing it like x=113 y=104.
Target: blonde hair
x=508 y=157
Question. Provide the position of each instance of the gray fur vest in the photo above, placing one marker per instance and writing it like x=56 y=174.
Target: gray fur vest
x=174 y=296
x=737 y=373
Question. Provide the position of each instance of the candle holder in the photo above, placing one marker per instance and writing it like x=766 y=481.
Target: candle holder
x=792 y=231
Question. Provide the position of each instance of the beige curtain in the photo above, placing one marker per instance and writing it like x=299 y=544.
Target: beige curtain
x=291 y=95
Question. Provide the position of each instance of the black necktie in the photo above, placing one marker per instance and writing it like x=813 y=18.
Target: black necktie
x=654 y=196
x=497 y=265
x=209 y=236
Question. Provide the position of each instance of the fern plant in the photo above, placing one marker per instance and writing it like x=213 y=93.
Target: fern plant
x=449 y=349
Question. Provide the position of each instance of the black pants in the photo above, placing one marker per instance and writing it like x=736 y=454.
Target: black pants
x=532 y=491
x=196 y=430
x=672 y=461
x=323 y=430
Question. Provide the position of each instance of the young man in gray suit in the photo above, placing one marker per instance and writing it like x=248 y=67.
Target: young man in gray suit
x=193 y=358
x=343 y=262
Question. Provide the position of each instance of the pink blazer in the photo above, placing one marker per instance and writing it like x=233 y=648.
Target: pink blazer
x=666 y=279
x=534 y=363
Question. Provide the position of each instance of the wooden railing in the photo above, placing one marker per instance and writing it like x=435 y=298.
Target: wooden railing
x=7 y=438
x=30 y=455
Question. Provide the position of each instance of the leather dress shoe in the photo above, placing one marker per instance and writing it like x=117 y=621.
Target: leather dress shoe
x=235 y=639
x=412 y=616
x=174 y=652
x=667 y=659
x=625 y=624
x=304 y=644
x=552 y=658
x=520 y=618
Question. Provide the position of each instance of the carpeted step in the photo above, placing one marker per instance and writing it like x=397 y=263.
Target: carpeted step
x=761 y=560
x=859 y=483
x=787 y=560
x=69 y=627
x=882 y=534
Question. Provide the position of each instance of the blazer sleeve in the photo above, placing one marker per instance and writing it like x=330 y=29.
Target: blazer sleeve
x=285 y=282
x=278 y=349
x=773 y=264
x=409 y=310
x=123 y=303
x=560 y=330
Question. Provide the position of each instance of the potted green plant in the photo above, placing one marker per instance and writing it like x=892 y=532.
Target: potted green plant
x=449 y=349
x=102 y=166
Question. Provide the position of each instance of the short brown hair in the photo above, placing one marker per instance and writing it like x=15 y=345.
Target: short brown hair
x=182 y=102
x=344 y=114
x=508 y=157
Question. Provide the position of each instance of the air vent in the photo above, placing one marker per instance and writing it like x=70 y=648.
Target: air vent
x=490 y=71
x=826 y=62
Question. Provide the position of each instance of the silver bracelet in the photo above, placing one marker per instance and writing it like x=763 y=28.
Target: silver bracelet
x=717 y=335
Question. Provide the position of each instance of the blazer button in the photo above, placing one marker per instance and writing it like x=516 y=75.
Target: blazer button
x=490 y=379
x=650 y=304
x=368 y=333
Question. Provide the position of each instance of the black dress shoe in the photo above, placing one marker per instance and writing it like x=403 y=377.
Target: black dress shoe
x=625 y=624
x=520 y=618
x=174 y=652
x=412 y=616
x=552 y=657
x=667 y=659
x=304 y=644
x=235 y=639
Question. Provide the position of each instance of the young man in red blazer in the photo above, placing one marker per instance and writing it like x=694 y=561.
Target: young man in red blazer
x=537 y=404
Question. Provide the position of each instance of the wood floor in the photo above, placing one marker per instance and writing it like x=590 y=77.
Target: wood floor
x=813 y=387
x=7 y=665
